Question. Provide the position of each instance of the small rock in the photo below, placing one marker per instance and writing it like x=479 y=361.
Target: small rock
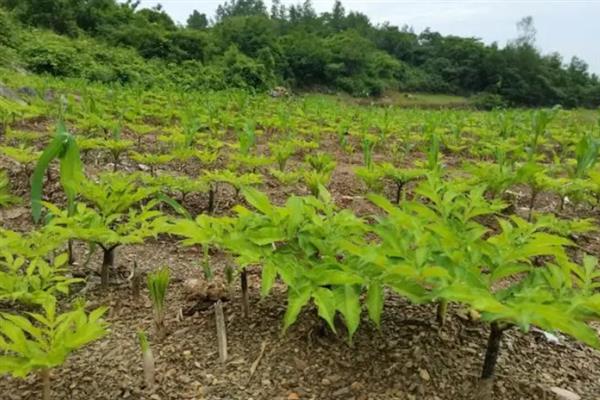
x=14 y=213
x=279 y=91
x=325 y=382
x=300 y=364
x=27 y=91
x=564 y=394
x=293 y=396
x=210 y=378
x=342 y=391
x=356 y=386
x=10 y=94
x=424 y=374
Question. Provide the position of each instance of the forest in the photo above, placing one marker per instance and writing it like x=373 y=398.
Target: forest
x=246 y=45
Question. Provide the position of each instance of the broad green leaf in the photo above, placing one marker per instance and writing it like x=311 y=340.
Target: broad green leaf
x=269 y=273
x=375 y=299
x=52 y=151
x=348 y=303
x=257 y=199
x=326 y=307
x=297 y=298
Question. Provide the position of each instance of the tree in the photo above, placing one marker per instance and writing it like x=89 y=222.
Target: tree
x=527 y=32
x=156 y=16
x=278 y=10
x=58 y=15
x=236 y=8
x=337 y=15
x=197 y=21
x=248 y=33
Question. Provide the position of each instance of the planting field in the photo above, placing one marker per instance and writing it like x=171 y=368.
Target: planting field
x=357 y=251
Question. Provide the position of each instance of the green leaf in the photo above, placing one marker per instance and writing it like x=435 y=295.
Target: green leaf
x=267 y=235
x=507 y=270
x=71 y=171
x=324 y=277
x=375 y=298
x=348 y=303
x=52 y=151
x=257 y=199
x=297 y=298
x=61 y=260
x=325 y=301
x=269 y=273
x=178 y=208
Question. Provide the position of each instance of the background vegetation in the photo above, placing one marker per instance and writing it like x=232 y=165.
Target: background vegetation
x=247 y=46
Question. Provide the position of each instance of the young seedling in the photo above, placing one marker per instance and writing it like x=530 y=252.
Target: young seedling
x=6 y=199
x=27 y=347
x=221 y=331
x=22 y=156
x=63 y=147
x=136 y=279
x=158 y=283
x=147 y=360
x=368 y=146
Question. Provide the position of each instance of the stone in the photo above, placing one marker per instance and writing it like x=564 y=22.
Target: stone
x=27 y=91
x=279 y=91
x=10 y=94
x=342 y=391
x=564 y=394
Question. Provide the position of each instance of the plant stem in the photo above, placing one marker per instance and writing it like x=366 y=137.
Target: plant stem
x=211 y=199
x=534 y=194
x=562 y=203
x=116 y=162
x=136 y=281
x=159 y=326
x=45 y=375
x=399 y=192
x=244 y=281
x=441 y=312
x=492 y=352
x=70 y=251
x=221 y=331
x=108 y=261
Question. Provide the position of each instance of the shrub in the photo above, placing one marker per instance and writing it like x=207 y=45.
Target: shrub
x=241 y=71
x=7 y=30
x=487 y=101
x=46 y=53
